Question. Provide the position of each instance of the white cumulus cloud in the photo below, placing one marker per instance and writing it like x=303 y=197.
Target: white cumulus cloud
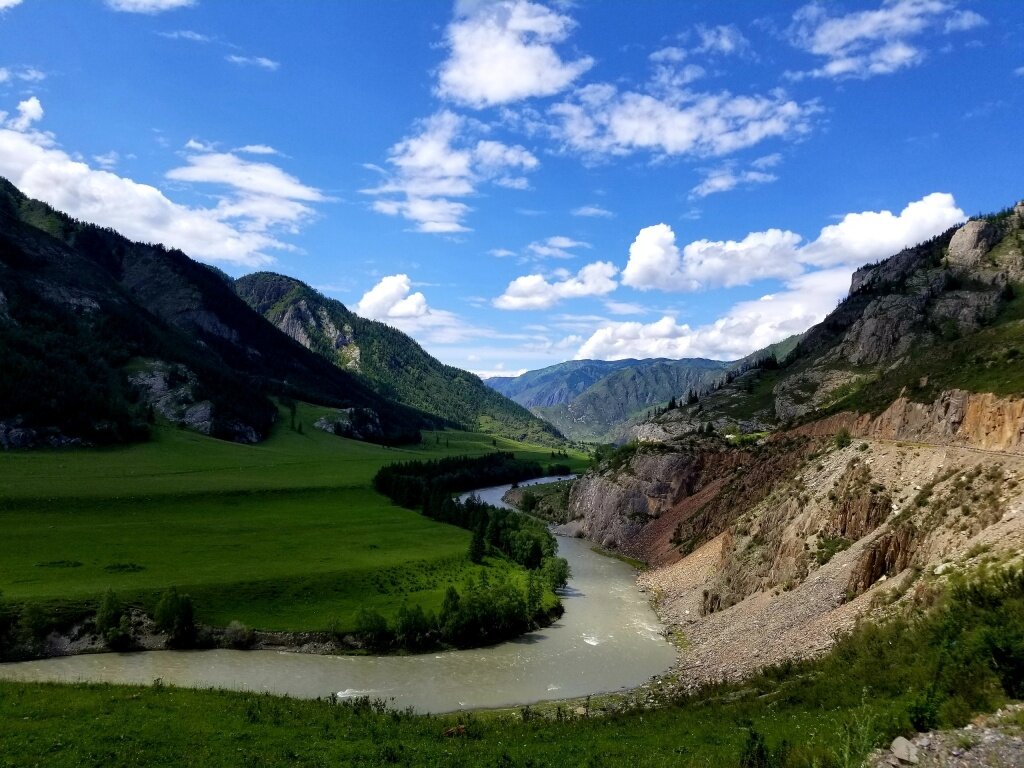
x=504 y=52
x=240 y=229
x=439 y=162
x=393 y=301
x=868 y=236
x=29 y=111
x=746 y=327
x=656 y=262
x=539 y=292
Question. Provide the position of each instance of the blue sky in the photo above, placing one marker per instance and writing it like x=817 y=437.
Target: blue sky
x=518 y=183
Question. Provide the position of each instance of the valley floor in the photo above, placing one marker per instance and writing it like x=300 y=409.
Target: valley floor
x=287 y=535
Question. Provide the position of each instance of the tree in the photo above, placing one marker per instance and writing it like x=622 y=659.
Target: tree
x=109 y=613
x=671 y=404
x=372 y=628
x=533 y=594
x=477 y=545
x=556 y=571
x=175 y=615
x=113 y=622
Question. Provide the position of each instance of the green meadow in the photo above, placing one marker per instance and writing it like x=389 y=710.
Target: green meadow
x=287 y=534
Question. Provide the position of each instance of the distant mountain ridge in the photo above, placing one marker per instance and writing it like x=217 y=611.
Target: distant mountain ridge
x=391 y=362
x=595 y=400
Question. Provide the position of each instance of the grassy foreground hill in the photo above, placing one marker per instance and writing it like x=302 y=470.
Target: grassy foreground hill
x=389 y=361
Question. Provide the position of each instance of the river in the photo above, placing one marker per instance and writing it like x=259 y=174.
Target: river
x=607 y=640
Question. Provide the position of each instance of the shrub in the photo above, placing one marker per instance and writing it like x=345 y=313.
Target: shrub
x=372 y=629
x=842 y=438
x=175 y=615
x=237 y=635
x=109 y=613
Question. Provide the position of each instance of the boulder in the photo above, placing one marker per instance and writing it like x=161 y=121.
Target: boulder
x=904 y=750
x=971 y=242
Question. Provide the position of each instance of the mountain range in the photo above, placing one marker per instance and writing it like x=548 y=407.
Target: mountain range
x=598 y=400
x=100 y=336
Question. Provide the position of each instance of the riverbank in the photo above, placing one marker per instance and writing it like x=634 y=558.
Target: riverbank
x=607 y=640
x=880 y=683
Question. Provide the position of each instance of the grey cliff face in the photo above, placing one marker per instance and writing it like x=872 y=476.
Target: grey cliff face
x=171 y=391
x=971 y=242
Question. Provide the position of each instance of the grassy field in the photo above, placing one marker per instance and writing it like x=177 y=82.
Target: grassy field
x=933 y=671
x=283 y=535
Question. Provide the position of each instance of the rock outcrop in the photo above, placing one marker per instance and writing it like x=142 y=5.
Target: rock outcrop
x=971 y=242
x=356 y=423
x=173 y=391
x=848 y=532
x=311 y=328
x=956 y=417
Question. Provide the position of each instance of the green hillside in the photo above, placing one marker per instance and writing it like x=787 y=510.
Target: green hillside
x=389 y=361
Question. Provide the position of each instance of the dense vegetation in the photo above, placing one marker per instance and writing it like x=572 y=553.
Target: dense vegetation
x=412 y=483
x=428 y=486
x=287 y=535
x=391 y=362
x=933 y=670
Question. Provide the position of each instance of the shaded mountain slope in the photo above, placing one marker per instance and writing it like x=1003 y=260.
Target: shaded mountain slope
x=98 y=332
x=386 y=359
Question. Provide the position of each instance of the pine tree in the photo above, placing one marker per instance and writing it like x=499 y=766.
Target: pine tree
x=477 y=546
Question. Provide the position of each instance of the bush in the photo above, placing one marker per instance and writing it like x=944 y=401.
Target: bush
x=109 y=613
x=175 y=616
x=842 y=438
x=413 y=628
x=238 y=636
x=372 y=629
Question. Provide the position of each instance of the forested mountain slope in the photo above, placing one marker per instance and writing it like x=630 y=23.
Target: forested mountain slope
x=389 y=361
x=99 y=333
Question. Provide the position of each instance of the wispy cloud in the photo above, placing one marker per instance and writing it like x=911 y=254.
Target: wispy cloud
x=253 y=61
x=865 y=44
x=592 y=211
x=187 y=34
x=148 y=6
x=24 y=74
